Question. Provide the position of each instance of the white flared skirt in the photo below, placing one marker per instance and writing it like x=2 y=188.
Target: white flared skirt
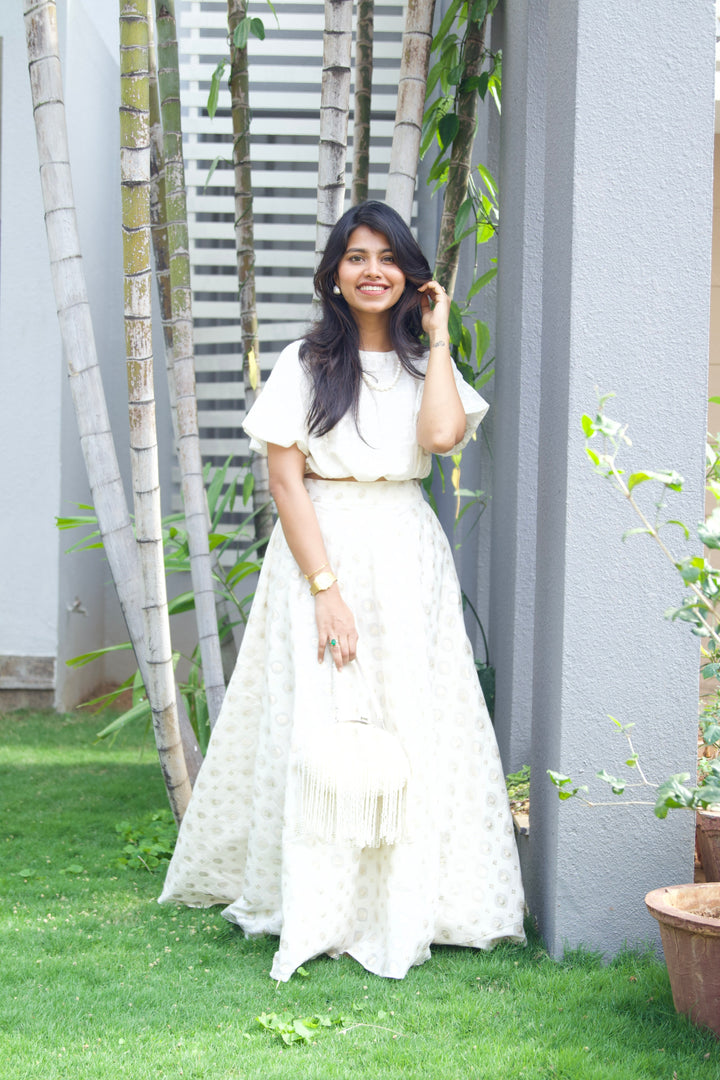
x=454 y=877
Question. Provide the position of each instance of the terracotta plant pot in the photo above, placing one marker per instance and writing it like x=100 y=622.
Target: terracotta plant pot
x=689 y=918
x=708 y=843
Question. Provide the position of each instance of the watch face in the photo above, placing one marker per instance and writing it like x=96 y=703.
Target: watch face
x=322 y=581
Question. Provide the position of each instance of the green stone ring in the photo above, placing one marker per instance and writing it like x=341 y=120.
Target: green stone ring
x=333 y=643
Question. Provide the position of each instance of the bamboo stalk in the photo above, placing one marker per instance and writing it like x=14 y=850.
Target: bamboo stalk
x=363 y=100
x=448 y=252
x=158 y=221
x=76 y=327
x=334 y=109
x=184 y=361
x=245 y=250
x=404 y=155
x=135 y=188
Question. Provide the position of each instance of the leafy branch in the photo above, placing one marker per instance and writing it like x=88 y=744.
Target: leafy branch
x=700 y=609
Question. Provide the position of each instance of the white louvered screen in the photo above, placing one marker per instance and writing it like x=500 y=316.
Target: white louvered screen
x=285 y=77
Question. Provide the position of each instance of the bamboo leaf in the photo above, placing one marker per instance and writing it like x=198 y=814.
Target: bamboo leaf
x=455 y=74
x=140 y=711
x=87 y=658
x=478 y=11
x=184 y=602
x=481 y=282
x=241 y=32
x=439 y=169
x=253 y=369
x=448 y=128
x=463 y=214
x=446 y=23
x=454 y=322
x=488 y=180
x=482 y=340
x=212 y=169
x=214 y=94
x=272 y=8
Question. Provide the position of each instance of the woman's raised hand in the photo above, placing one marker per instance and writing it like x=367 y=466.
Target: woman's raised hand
x=336 y=627
x=435 y=305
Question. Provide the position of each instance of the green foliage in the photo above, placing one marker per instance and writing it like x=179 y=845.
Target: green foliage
x=295 y=1030
x=478 y=214
x=699 y=608
x=246 y=27
x=518 y=784
x=237 y=559
x=148 y=840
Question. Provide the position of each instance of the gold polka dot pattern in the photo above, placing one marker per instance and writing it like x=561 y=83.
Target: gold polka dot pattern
x=455 y=878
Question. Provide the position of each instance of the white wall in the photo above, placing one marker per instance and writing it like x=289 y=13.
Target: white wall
x=54 y=604
x=31 y=374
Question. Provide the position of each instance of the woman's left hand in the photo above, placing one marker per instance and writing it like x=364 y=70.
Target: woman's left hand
x=435 y=305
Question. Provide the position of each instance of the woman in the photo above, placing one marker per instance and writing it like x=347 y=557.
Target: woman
x=357 y=566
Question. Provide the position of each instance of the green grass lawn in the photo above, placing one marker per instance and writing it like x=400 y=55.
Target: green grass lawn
x=98 y=981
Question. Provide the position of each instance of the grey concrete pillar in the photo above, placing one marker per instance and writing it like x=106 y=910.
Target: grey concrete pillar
x=517 y=379
x=625 y=306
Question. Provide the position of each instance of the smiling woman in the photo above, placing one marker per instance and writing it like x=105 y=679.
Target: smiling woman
x=357 y=567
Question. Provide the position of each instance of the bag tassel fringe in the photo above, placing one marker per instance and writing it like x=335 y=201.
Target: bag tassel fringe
x=353 y=785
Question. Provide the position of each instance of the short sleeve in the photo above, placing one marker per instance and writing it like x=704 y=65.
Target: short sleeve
x=279 y=414
x=475 y=408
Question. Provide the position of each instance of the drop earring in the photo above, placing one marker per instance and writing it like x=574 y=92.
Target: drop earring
x=336 y=290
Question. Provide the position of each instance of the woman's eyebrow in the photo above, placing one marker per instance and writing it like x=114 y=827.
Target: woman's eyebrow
x=363 y=251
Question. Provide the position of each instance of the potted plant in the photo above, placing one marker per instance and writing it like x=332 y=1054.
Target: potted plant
x=689 y=915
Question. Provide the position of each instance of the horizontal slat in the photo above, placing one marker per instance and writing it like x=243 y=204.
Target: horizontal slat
x=220 y=391
x=297 y=180
x=284 y=332
x=239 y=447
x=264 y=230
x=213 y=283
x=220 y=362
x=221 y=418
x=225 y=309
x=289 y=19
x=274 y=125
x=281 y=152
x=307 y=100
x=262 y=204
x=264 y=257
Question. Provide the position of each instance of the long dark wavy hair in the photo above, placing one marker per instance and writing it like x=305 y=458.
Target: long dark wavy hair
x=330 y=351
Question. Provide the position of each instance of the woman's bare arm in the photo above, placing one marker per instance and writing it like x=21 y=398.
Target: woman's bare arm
x=286 y=467
x=441 y=421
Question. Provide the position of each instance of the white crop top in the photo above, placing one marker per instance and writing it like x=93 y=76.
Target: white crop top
x=387 y=420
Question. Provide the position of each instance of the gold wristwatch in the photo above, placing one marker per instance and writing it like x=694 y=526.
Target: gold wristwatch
x=322 y=581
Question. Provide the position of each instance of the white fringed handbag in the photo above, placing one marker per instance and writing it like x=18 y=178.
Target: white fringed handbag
x=353 y=779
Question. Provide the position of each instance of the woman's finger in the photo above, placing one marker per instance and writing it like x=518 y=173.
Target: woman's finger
x=336 y=651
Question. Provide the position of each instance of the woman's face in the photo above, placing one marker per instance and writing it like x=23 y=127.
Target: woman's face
x=368 y=276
